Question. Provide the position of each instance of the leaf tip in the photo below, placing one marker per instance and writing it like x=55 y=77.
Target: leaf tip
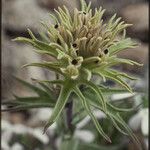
x=47 y=126
x=16 y=39
x=108 y=139
x=23 y=66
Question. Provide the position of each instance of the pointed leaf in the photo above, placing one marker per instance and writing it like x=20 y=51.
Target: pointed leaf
x=38 y=44
x=116 y=61
x=97 y=90
x=121 y=45
x=110 y=75
x=32 y=87
x=77 y=117
x=87 y=107
x=60 y=104
x=116 y=125
x=130 y=132
x=94 y=100
x=83 y=5
x=50 y=66
x=27 y=106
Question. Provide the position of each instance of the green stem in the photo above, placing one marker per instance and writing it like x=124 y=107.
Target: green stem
x=69 y=113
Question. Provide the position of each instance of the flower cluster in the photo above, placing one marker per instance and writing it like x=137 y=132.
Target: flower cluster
x=82 y=46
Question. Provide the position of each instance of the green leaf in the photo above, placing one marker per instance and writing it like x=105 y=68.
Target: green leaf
x=60 y=104
x=33 y=100
x=83 y=5
x=23 y=103
x=116 y=61
x=121 y=45
x=86 y=74
x=38 y=90
x=87 y=107
x=112 y=90
x=53 y=17
x=47 y=88
x=20 y=106
x=48 y=65
x=44 y=37
x=78 y=116
x=97 y=90
x=122 y=74
x=122 y=109
x=116 y=125
x=45 y=98
x=130 y=132
x=110 y=75
x=94 y=99
x=41 y=46
x=115 y=118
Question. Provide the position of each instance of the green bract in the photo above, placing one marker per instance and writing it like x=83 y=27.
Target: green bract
x=83 y=46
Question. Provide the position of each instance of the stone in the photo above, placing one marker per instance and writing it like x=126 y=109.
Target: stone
x=14 y=56
x=138 y=54
x=114 y=6
x=21 y=15
x=137 y=15
x=51 y=4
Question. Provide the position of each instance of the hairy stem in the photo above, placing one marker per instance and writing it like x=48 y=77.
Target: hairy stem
x=69 y=112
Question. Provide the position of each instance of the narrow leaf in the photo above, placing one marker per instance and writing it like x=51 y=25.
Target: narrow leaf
x=83 y=5
x=121 y=45
x=87 y=107
x=110 y=75
x=60 y=104
x=49 y=66
x=97 y=90
x=32 y=87
x=130 y=132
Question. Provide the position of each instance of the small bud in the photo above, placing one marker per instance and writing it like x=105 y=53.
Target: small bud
x=74 y=45
x=100 y=55
x=77 y=52
x=56 y=26
x=74 y=62
x=58 y=41
x=97 y=61
x=106 y=51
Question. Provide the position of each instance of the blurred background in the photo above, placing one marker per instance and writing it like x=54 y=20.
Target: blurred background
x=17 y=16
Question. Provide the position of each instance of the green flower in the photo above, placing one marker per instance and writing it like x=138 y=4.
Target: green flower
x=83 y=46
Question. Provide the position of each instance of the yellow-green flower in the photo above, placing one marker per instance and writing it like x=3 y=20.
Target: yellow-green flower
x=84 y=46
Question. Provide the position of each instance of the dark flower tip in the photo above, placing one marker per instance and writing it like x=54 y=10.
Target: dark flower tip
x=74 y=45
x=58 y=41
x=74 y=62
x=97 y=61
x=77 y=52
x=56 y=26
x=106 y=51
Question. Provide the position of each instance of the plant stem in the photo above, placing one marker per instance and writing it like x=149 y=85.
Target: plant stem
x=53 y=141
x=69 y=113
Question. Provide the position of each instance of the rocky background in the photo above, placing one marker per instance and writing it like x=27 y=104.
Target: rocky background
x=18 y=15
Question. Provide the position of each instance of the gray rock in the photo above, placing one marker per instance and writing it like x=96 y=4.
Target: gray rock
x=18 y=15
x=51 y=4
x=138 y=16
x=140 y=55
x=114 y=6
x=15 y=55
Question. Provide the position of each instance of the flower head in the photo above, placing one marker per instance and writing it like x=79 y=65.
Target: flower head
x=84 y=46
